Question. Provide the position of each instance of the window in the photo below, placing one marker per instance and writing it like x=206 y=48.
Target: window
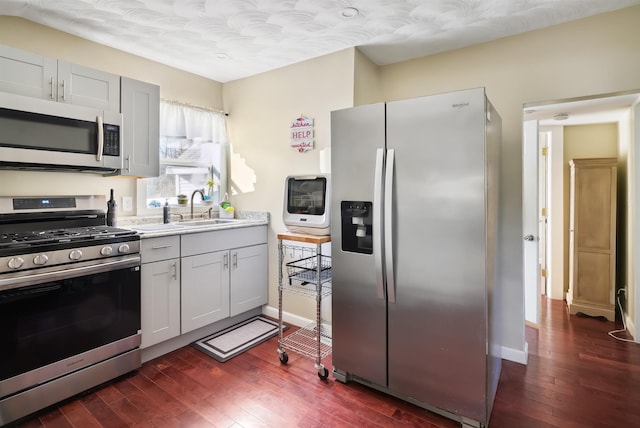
x=192 y=155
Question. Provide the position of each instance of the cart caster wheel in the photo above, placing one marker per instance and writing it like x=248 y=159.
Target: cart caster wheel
x=284 y=358
x=324 y=375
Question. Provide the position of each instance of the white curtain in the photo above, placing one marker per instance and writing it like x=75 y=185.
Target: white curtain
x=193 y=150
x=181 y=121
x=195 y=135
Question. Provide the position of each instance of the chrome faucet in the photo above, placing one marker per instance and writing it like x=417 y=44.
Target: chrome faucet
x=192 y=195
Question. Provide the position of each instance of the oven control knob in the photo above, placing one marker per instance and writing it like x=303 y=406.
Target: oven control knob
x=15 y=263
x=106 y=251
x=40 y=259
x=124 y=248
x=75 y=255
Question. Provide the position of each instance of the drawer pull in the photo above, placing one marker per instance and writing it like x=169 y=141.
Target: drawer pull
x=160 y=247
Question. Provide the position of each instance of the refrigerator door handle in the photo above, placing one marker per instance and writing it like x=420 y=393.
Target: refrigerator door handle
x=388 y=225
x=378 y=198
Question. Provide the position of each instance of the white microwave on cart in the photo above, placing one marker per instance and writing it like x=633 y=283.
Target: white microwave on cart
x=307 y=204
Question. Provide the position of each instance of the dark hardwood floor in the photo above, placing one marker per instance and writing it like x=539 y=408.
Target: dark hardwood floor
x=577 y=376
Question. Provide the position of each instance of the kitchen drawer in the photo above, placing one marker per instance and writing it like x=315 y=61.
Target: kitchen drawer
x=162 y=248
x=207 y=242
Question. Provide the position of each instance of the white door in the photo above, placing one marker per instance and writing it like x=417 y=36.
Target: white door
x=530 y=222
x=543 y=208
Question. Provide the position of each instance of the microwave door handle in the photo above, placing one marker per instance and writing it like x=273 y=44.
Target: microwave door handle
x=100 y=138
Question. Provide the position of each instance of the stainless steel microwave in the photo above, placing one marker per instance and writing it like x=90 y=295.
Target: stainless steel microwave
x=42 y=134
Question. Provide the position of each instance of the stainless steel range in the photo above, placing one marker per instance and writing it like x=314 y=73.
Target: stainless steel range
x=69 y=300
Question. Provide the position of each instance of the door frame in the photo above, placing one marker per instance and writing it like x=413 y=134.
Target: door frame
x=629 y=102
x=530 y=195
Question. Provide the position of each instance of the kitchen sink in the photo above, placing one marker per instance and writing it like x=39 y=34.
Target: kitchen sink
x=184 y=225
x=157 y=227
x=210 y=222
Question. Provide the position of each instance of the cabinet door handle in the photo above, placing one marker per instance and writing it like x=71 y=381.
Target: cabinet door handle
x=64 y=91
x=51 y=87
x=226 y=261
x=235 y=260
x=175 y=270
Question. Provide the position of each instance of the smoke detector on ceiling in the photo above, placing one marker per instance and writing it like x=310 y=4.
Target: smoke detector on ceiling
x=349 y=12
x=561 y=116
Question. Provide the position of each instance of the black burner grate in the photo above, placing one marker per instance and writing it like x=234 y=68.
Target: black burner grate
x=44 y=237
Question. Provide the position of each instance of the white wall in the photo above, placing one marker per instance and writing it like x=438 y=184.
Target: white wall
x=633 y=204
x=555 y=224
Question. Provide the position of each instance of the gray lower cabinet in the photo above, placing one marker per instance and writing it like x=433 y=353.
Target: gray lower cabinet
x=224 y=273
x=248 y=278
x=190 y=281
x=222 y=284
x=160 y=289
x=205 y=289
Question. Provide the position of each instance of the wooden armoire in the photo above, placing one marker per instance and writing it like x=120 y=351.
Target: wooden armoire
x=592 y=237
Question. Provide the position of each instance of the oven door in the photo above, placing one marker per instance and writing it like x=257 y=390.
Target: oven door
x=55 y=321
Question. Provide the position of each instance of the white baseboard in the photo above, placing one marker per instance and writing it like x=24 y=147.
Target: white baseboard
x=631 y=327
x=510 y=354
x=294 y=319
x=516 y=355
x=287 y=317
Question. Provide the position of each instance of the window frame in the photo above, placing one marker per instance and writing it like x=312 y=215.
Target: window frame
x=221 y=184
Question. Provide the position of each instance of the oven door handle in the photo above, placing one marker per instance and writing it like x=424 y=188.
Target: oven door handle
x=57 y=273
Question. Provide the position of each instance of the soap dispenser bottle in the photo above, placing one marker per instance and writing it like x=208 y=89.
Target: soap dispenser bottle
x=165 y=212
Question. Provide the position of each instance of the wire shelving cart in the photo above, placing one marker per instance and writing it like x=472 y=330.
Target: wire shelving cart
x=304 y=270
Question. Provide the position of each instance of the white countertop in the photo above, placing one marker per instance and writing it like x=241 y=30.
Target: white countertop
x=150 y=227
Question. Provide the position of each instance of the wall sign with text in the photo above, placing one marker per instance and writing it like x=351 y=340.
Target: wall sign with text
x=302 y=134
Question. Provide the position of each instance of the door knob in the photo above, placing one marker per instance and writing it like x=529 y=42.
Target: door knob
x=529 y=238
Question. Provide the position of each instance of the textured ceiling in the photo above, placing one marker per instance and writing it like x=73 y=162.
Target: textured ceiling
x=230 y=39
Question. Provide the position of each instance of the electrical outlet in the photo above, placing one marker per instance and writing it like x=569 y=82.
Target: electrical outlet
x=127 y=203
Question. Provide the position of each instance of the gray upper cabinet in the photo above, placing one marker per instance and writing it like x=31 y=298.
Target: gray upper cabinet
x=140 y=109
x=88 y=87
x=33 y=75
x=26 y=73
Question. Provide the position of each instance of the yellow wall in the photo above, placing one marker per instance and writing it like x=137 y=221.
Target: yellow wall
x=261 y=109
x=590 y=56
x=367 y=85
x=584 y=141
x=590 y=141
x=174 y=85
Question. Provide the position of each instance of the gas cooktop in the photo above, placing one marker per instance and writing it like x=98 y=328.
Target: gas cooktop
x=44 y=237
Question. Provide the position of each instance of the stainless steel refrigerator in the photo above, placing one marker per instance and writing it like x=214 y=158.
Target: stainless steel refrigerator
x=414 y=243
